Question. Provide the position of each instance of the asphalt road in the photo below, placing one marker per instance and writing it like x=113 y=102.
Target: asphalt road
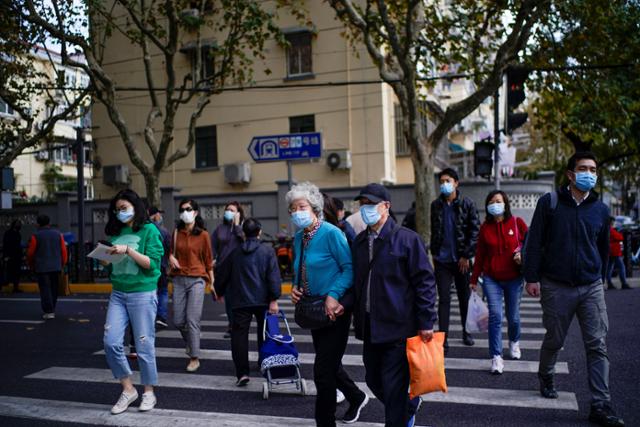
x=51 y=375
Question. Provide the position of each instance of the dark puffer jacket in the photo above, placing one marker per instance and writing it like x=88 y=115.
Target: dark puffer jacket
x=467 y=225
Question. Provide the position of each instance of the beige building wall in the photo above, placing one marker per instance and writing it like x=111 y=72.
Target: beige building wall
x=358 y=118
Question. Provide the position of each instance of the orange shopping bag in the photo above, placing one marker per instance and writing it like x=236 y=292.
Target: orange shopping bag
x=426 y=365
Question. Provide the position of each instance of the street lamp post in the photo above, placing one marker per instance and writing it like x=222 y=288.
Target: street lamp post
x=80 y=172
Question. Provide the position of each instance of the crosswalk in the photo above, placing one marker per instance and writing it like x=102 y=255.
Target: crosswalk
x=466 y=369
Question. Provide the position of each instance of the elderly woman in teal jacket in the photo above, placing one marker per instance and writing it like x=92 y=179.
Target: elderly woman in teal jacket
x=325 y=269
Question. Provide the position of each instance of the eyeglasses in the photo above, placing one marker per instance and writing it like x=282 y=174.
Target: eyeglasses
x=189 y=209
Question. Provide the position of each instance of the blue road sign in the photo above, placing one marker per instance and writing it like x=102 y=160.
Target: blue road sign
x=293 y=146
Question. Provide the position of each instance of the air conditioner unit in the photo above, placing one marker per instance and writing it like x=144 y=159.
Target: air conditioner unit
x=115 y=175
x=42 y=155
x=237 y=173
x=339 y=159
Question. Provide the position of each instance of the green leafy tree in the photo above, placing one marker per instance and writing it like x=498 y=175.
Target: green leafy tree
x=408 y=40
x=23 y=78
x=153 y=29
x=597 y=106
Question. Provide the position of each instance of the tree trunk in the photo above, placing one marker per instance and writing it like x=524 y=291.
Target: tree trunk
x=423 y=189
x=152 y=185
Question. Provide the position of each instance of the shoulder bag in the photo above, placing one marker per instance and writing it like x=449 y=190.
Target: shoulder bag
x=309 y=311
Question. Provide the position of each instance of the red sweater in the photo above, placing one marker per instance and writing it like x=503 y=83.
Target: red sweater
x=496 y=245
x=615 y=242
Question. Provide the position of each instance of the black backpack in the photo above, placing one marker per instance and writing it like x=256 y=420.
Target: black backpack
x=547 y=218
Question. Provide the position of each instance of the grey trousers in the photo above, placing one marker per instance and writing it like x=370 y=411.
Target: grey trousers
x=559 y=305
x=188 y=298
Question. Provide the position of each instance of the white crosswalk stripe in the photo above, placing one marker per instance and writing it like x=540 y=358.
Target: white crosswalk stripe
x=216 y=352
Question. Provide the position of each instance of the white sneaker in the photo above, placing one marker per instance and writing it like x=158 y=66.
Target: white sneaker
x=148 y=401
x=497 y=365
x=123 y=402
x=48 y=316
x=514 y=350
x=339 y=396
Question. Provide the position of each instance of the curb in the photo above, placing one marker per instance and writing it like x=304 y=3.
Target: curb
x=99 y=288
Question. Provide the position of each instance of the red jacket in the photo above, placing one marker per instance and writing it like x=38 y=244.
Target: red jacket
x=497 y=243
x=615 y=242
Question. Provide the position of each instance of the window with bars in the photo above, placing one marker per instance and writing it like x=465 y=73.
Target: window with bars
x=299 y=54
x=206 y=147
x=300 y=124
x=402 y=147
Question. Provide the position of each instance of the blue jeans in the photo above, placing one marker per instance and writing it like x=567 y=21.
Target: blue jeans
x=496 y=291
x=616 y=261
x=140 y=309
x=163 y=296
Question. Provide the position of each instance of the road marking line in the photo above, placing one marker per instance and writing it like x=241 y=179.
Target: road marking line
x=28 y=322
x=461 y=395
x=452 y=363
x=96 y=414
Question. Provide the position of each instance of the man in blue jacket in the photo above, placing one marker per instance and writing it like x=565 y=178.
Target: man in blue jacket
x=565 y=259
x=395 y=296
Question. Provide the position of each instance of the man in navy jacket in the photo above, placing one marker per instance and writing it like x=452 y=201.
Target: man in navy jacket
x=395 y=298
x=565 y=258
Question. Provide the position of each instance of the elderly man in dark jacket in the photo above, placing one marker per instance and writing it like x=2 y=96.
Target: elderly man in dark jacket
x=565 y=259
x=455 y=227
x=395 y=295
x=252 y=280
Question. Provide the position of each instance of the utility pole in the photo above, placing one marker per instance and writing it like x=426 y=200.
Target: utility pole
x=80 y=172
x=496 y=138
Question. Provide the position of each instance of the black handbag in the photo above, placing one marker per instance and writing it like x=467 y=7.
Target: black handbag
x=309 y=311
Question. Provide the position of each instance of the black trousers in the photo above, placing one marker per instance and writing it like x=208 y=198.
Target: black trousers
x=445 y=274
x=48 y=284
x=12 y=268
x=329 y=344
x=387 y=376
x=240 y=336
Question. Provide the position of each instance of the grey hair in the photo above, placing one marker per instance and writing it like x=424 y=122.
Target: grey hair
x=308 y=191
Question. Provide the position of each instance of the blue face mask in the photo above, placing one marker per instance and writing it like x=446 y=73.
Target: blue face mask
x=125 y=216
x=370 y=214
x=159 y=222
x=446 y=188
x=496 y=209
x=301 y=219
x=229 y=215
x=585 y=181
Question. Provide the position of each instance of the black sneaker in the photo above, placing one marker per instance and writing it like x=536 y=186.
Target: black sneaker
x=242 y=381
x=610 y=286
x=626 y=286
x=547 y=389
x=161 y=323
x=353 y=413
x=605 y=416
x=467 y=339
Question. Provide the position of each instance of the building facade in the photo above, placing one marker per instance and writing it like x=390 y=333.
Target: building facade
x=41 y=171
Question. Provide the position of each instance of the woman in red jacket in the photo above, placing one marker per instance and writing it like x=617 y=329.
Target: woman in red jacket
x=498 y=260
x=616 y=240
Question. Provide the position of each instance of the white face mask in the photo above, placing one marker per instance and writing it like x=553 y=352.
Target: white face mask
x=188 y=217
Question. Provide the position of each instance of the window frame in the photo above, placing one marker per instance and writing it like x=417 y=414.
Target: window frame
x=213 y=162
x=298 y=41
x=302 y=127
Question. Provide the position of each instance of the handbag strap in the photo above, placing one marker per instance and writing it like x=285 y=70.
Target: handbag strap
x=300 y=261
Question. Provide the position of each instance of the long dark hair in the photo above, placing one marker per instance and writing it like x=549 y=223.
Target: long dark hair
x=238 y=207
x=329 y=210
x=199 y=226
x=507 y=206
x=114 y=225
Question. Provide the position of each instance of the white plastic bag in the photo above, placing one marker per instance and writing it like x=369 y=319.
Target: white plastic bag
x=477 y=314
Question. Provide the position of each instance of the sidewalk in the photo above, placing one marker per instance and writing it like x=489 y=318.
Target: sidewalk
x=98 y=288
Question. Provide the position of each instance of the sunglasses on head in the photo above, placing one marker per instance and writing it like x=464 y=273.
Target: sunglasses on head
x=188 y=209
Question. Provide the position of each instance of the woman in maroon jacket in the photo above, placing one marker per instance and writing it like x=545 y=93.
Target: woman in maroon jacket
x=616 y=240
x=498 y=260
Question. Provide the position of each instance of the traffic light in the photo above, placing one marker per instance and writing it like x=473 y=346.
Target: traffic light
x=483 y=158
x=516 y=76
